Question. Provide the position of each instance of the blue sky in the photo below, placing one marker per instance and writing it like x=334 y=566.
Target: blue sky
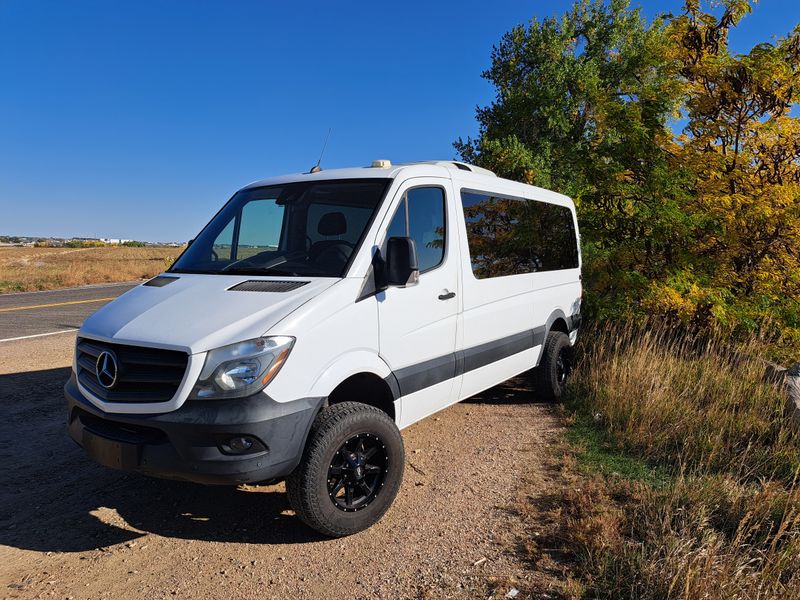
x=139 y=119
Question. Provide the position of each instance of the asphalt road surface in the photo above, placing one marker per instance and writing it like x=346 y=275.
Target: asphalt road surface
x=41 y=313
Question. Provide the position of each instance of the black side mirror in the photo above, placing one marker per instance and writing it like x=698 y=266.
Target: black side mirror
x=402 y=268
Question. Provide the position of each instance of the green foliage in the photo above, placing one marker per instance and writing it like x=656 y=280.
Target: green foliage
x=84 y=244
x=10 y=286
x=701 y=226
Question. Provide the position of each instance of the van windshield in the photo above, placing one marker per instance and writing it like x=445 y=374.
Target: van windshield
x=296 y=229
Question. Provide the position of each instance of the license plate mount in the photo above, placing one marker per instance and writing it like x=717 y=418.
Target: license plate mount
x=111 y=453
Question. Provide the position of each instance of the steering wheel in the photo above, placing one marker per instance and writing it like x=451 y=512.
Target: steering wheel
x=214 y=255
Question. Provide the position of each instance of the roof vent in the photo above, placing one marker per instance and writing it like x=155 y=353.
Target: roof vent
x=262 y=285
x=462 y=166
x=381 y=164
x=160 y=281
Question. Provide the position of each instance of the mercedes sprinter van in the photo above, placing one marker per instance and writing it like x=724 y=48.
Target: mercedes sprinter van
x=317 y=315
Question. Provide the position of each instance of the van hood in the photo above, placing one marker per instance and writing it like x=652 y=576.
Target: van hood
x=196 y=313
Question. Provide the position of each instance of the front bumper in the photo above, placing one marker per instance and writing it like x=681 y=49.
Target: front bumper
x=187 y=443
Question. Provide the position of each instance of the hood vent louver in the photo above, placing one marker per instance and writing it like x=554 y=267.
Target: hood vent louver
x=260 y=285
x=160 y=281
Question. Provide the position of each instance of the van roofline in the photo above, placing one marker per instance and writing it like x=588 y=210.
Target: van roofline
x=425 y=168
x=466 y=175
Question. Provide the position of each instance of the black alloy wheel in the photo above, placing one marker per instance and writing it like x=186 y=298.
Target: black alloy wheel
x=356 y=473
x=563 y=366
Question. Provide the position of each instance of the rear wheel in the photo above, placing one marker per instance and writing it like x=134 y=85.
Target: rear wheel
x=550 y=377
x=351 y=470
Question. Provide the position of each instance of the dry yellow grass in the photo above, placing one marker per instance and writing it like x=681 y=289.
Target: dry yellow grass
x=30 y=269
x=722 y=519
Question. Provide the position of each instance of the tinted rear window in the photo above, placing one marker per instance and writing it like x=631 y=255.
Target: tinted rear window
x=512 y=236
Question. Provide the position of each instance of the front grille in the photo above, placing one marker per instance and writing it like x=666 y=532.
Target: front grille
x=143 y=374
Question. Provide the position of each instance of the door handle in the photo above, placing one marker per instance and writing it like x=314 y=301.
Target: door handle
x=447 y=296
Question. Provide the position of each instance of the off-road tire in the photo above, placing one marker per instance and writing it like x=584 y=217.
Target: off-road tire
x=308 y=485
x=550 y=377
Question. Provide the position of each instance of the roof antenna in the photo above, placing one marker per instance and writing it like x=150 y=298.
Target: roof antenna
x=316 y=168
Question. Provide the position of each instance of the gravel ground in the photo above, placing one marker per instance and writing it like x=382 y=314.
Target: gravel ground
x=72 y=529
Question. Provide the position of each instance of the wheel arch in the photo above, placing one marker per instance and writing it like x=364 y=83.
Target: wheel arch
x=366 y=388
x=557 y=321
x=360 y=376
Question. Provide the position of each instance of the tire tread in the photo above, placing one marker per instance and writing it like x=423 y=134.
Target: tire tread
x=300 y=483
x=545 y=381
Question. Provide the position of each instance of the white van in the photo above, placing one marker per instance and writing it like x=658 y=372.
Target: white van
x=319 y=314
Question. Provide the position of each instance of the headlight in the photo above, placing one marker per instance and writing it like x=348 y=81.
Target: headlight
x=242 y=369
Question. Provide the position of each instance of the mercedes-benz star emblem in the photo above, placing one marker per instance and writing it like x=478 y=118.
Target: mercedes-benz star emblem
x=106 y=369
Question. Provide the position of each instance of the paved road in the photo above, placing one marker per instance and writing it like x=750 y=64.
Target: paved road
x=38 y=313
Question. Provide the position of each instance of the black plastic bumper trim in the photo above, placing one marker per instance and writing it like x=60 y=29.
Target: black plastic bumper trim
x=185 y=443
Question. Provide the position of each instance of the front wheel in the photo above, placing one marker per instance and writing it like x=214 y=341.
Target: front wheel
x=351 y=470
x=550 y=377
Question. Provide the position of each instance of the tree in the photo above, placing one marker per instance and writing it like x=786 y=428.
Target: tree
x=742 y=147
x=582 y=106
x=700 y=224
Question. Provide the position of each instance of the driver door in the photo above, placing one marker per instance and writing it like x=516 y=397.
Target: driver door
x=418 y=324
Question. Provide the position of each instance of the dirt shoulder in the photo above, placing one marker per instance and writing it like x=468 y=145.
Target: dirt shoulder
x=70 y=528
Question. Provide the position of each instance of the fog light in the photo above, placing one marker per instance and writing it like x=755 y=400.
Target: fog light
x=241 y=444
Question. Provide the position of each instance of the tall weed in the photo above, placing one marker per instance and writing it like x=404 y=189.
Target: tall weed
x=727 y=522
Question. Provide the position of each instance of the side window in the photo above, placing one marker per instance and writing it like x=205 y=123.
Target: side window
x=555 y=245
x=513 y=236
x=421 y=216
x=498 y=235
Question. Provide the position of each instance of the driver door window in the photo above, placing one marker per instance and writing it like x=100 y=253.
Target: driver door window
x=420 y=216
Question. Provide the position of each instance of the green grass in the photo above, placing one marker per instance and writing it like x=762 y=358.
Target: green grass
x=10 y=286
x=597 y=454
